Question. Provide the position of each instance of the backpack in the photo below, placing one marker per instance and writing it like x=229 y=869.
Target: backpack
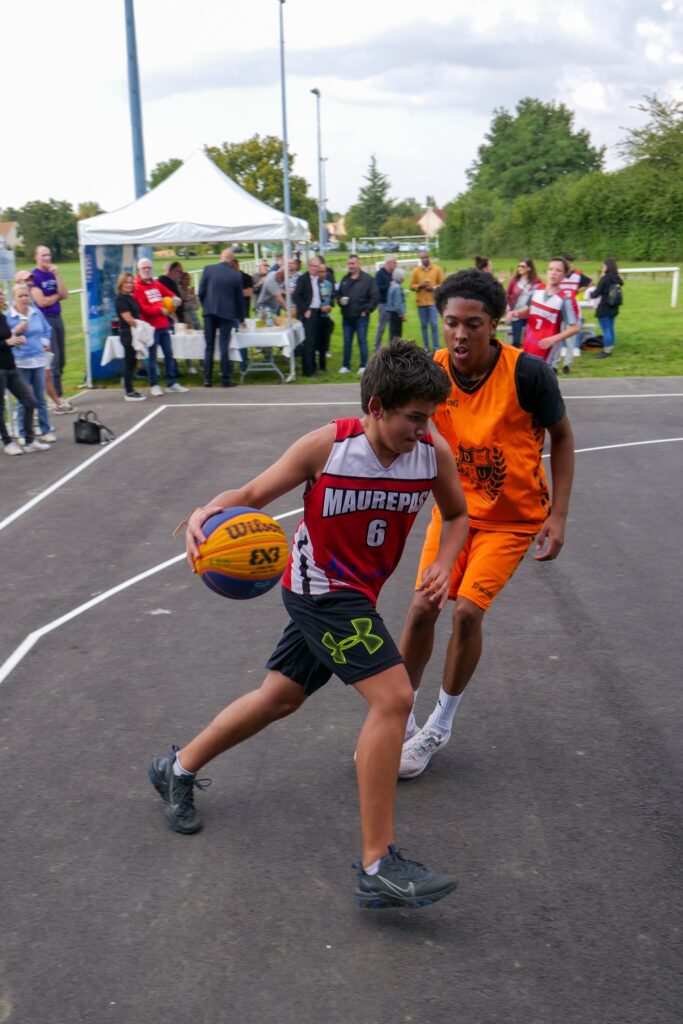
x=614 y=294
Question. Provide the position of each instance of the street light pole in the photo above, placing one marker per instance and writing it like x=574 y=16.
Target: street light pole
x=134 y=101
x=321 y=194
x=285 y=156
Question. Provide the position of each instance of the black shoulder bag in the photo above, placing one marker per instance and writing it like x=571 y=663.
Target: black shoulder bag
x=89 y=430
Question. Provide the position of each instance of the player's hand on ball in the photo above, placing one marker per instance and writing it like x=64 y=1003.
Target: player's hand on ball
x=193 y=532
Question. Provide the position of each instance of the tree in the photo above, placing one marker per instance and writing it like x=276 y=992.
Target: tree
x=660 y=142
x=374 y=205
x=395 y=226
x=88 y=209
x=51 y=223
x=407 y=208
x=256 y=165
x=163 y=170
x=531 y=149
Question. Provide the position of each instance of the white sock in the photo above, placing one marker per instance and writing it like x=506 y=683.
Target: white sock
x=411 y=724
x=441 y=718
x=178 y=768
x=373 y=868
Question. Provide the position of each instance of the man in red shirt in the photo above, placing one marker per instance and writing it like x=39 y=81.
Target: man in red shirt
x=149 y=295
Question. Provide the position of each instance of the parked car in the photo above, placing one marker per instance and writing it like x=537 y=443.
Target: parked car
x=186 y=253
x=391 y=246
x=406 y=247
x=365 y=247
x=332 y=246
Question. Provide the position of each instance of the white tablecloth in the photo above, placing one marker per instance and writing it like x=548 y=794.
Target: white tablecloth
x=191 y=345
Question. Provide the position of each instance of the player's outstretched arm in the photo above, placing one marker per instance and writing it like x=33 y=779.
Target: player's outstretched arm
x=303 y=461
x=451 y=501
x=550 y=539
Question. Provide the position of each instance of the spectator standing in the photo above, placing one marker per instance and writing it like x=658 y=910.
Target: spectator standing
x=574 y=282
x=190 y=302
x=260 y=277
x=519 y=291
x=383 y=282
x=48 y=291
x=396 y=303
x=425 y=277
x=12 y=381
x=149 y=295
x=222 y=299
x=308 y=302
x=31 y=332
x=357 y=297
x=550 y=317
x=326 y=285
x=171 y=279
x=127 y=311
x=608 y=291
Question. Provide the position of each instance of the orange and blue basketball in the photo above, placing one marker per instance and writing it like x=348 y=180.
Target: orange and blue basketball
x=244 y=555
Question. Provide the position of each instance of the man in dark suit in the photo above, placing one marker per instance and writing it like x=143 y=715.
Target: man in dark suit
x=306 y=298
x=222 y=299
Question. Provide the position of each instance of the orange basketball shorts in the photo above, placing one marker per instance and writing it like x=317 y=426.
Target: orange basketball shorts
x=487 y=561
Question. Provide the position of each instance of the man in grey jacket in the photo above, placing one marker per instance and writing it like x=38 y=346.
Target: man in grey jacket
x=358 y=297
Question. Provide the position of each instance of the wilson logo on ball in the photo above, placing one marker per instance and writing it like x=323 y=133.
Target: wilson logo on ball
x=244 y=555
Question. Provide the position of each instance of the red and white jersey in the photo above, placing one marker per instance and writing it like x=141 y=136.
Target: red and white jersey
x=357 y=516
x=547 y=313
x=569 y=288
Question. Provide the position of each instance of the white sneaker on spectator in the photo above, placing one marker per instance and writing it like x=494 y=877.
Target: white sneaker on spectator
x=21 y=441
x=13 y=449
x=64 y=407
x=176 y=389
x=418 y=751
x=361 y=371
x=50 y=437
x=156 y=391
x=192 y=369
x=344 y=369
x=37 y=446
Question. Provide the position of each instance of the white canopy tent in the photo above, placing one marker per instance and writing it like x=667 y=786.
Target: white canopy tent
x=198 y=203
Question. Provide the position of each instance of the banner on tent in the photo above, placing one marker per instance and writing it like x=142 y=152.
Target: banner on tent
x=103 y=264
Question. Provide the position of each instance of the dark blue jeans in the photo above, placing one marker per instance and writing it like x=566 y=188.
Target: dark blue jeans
x=607 y=328
x=162 y=337
x=224 y=327
x=356 y=325
x=429 y=320
x=518 y=328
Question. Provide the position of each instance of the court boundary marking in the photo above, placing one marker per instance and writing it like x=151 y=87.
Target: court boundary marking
x=38 y=498
x=31 y=640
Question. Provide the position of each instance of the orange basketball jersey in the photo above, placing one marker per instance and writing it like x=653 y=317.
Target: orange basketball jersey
x=497 y=446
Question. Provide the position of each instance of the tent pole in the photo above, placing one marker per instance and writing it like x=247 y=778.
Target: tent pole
x=84 y=316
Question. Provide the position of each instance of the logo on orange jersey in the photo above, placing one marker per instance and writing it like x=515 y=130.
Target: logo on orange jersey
x=484 y=468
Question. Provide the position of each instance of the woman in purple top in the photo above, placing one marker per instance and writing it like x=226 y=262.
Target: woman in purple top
x=48 y=292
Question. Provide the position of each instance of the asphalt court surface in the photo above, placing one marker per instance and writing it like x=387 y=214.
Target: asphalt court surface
x=557 y=801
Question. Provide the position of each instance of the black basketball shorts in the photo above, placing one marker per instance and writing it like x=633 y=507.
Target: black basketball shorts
x=339 y=634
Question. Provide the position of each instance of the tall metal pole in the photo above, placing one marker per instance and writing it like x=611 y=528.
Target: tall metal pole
x=285 y=155
x=321 y=194
x=135 y=105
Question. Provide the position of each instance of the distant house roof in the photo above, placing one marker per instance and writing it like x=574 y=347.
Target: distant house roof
x=7 y=226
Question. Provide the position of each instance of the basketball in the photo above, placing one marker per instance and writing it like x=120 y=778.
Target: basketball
x=167 y=303
x=244 y=554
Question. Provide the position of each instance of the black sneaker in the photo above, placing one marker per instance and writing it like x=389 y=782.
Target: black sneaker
x=134 y=396
x=177 y=793
x=401 y=883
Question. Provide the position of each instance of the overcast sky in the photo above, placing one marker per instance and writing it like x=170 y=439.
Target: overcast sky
x=414 y=84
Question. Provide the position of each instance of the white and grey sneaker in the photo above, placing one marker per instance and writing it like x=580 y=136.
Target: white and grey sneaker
x=49 y=438
x=419 y=750
x=12 y=448
x=177 y=389
x=344 y=369
x=156 y=391
x=37 y=446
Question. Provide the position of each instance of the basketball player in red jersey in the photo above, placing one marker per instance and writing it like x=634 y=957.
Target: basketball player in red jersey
x=502 y=401
x=365 y=481
x=550 y=317
x=574 y=281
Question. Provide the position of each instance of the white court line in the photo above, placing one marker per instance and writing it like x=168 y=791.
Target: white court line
x=237 y=405
x=79 y=469
x=32 y=639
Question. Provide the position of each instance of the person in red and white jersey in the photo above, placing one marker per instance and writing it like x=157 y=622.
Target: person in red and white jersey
x=550 y=317
x=365 y=481
x=574 y=281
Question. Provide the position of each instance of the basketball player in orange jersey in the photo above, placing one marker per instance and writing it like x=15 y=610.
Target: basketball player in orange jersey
x=501 y=403
x=365 y=481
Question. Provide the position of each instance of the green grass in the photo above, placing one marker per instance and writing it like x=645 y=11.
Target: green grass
x=649 y=331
